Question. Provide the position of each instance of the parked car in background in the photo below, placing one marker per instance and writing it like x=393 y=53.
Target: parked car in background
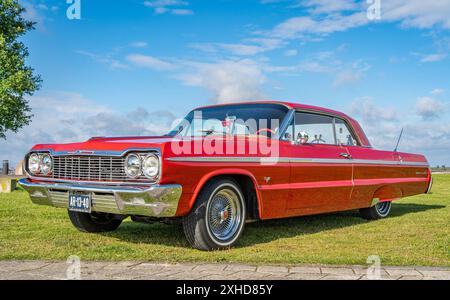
x=224 y=165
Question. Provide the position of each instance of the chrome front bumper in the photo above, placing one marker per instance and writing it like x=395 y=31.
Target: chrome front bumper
x=153 y=200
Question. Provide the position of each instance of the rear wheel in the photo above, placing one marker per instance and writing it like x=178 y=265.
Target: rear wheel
x=378 y=211
x=94 y=222
x=218 y=216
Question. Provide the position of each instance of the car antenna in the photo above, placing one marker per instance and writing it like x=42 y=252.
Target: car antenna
x=398 y=141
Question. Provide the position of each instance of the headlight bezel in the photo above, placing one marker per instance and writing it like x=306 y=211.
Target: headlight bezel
x=143 y=157
x=157 y=166
x=38 y=157
x=50 y=168
x=38 y=162
x=126 y=165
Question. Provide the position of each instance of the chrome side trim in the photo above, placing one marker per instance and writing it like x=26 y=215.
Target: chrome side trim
x=154 y=200
x=294 y=160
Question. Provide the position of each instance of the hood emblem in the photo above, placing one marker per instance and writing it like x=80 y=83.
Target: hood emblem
x=81 y=152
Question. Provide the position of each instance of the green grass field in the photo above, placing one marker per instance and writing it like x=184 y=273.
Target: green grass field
x=417 y=233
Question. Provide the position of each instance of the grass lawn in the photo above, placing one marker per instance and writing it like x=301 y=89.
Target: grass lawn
x=417 y=233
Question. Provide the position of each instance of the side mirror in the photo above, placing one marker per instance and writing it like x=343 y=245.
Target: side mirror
x=302 y=137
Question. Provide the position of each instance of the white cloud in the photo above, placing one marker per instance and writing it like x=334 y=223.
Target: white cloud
x=382 y=125
x=290 y=52
x=139 y=44
x=250 y=46
x=329 y=16
x=429 y=108
x=150 y=62
x=327 y=6
x=34 y=13
x=63 y=117
x=351 y=75
x=227 y=81
x=433 y=57
x=104 y=59
x=347 y=77
x=417 y=13
x=182 y=12
x=370 y=113
x=297 y=27
x=242 y=49
x=169 y=6
x=437 y=92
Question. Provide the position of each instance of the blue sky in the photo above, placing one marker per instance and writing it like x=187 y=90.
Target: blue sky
x=132 y=66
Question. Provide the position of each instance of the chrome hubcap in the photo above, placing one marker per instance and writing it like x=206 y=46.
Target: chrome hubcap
x=383 y=208
x=224 y=214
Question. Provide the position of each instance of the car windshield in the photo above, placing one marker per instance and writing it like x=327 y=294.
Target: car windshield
x=239 y=119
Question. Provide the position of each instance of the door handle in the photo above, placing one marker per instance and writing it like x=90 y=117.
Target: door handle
x=345 y=155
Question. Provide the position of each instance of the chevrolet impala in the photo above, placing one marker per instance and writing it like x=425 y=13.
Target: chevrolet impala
x=222 y=166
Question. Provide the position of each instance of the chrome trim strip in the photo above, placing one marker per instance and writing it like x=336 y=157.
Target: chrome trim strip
x=145 y=181
x=94 y=152
x=430 y=185
x=294 y=160
x=155 y=200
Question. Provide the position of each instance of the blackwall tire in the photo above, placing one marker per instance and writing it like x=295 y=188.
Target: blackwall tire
x=378 y=211
x=94 y=222
x=217 y=219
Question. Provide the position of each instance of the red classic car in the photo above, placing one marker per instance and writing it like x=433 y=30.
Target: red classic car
x=224 y=165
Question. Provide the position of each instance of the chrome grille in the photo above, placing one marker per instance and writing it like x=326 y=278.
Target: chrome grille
x=89 y=168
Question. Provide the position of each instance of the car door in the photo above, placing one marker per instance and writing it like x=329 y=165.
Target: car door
x=321 y=171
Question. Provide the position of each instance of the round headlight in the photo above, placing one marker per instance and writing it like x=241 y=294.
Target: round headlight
x=46 y=164
x=34 y=162
x=150 y=166
x=133 y=165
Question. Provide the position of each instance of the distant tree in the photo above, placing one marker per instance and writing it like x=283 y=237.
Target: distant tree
x=437 y=167
x=16 y=79
x=443 y=167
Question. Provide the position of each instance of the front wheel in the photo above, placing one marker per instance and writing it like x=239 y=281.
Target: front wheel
x=94 y=222
x=378 y=211
x=218 y=216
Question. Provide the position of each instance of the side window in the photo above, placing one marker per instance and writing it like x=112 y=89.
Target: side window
x=318 y=128
x=343 y=134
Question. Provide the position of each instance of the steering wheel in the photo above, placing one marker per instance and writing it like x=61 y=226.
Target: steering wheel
x=265 y=130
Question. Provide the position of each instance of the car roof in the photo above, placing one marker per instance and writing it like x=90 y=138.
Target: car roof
x=290 y=105
x=364 y=141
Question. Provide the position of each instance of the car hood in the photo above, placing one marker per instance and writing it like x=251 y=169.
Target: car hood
x=117 y=145
x=101 y=144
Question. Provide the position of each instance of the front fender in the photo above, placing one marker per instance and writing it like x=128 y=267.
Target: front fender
x=230 y=171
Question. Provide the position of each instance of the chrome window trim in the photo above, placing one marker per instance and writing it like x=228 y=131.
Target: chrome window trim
x=293 y=111
x=285 y=124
